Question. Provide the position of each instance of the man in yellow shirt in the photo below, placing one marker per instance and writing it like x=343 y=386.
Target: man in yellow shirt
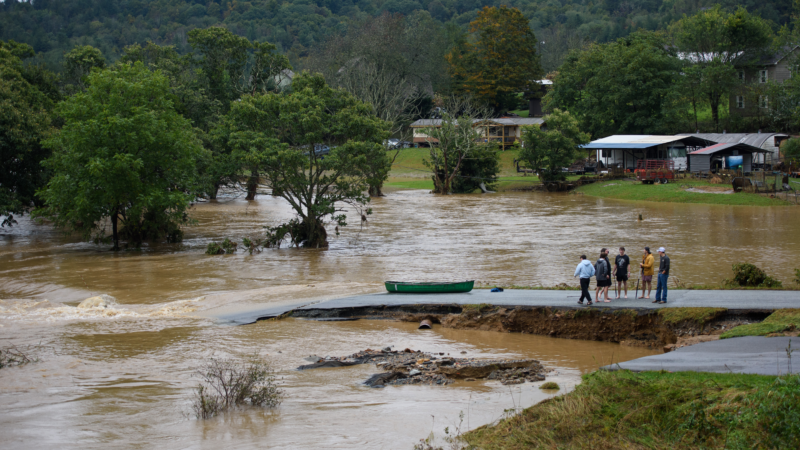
x=647 y=272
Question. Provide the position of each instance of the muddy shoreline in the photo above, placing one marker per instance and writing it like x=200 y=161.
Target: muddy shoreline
x=630 y=326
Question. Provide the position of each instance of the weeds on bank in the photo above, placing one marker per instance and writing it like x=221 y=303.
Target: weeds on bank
x=13 y=356
x=227 y=383
x=782 y=320
x=657 y=410
x=749 y=275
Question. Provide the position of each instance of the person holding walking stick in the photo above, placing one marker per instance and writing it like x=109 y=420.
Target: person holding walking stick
x=647 y=272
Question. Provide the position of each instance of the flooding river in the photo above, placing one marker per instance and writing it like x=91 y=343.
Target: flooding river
x=122 y=377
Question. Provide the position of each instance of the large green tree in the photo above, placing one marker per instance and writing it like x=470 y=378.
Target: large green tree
x=716 y=42
x=123 y=154
x=499 y=60
x=24 y=121
x=625 y=87
x=548 y=150
x=78 y=64
x=313 y=146
x=232 y=66
x=455 y=139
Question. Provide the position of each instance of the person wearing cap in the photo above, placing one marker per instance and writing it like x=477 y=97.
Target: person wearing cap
x=647 y=272
x=622 y=267
x=663 y=275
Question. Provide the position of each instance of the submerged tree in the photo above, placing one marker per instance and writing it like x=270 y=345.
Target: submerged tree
x=124 y=153
x=548 y=151
x=458 y=137
x=314 y=147
x=394 y=63
x=24 y=122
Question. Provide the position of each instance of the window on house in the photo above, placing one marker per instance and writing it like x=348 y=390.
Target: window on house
x=762 y=76
x=740 y=101
x=763 y=101
x=741 y=76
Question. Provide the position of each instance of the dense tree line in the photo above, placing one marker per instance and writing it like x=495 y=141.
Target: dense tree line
x=54 y=27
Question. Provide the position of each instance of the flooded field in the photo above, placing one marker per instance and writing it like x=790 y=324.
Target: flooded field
x=122 y=377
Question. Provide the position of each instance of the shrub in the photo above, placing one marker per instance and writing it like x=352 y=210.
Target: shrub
x=748 y=275
x=227 y=246
x=550 y=385
x=228 y=383
x=796 y=276
x=12 y=356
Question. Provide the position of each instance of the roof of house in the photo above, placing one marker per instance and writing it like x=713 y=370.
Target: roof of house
x=747 y=148
x=754 y=139
x=768 y=59
x=622 y=141
x=508 y=121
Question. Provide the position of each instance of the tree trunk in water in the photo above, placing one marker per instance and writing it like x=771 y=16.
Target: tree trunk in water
x=316 y=236
x=252 y=185
x=375 y=191
x=114 y=233
x=213 y=194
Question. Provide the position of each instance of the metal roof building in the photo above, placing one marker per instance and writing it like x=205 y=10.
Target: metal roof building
x=704 y=159
x=766 y=141
x=624 y=150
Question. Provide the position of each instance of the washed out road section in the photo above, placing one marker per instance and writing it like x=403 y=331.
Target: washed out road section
x=730 y=299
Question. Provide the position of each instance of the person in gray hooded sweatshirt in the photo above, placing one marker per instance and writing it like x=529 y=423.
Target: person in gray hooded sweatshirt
x=602 y=270
x=585 y=271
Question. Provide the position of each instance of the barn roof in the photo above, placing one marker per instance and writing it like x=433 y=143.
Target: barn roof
x=623 y=141
x=746 y=148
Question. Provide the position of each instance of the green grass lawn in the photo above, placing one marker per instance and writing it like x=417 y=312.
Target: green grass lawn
x=656 y=410
x=673 y=192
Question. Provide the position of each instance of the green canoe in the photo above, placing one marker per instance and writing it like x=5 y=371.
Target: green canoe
x=429 y=288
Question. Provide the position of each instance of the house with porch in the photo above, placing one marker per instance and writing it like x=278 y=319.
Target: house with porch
x=623 y=151
x=504 y=131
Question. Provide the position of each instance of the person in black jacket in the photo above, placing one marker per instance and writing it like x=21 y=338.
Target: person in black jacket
x=602 y=269
x=663 y=276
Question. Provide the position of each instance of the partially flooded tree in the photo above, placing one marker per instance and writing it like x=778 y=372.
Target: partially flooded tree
x=123 y=154
x=548 y=151
x=314 y=147
x=459 y=135
x=391 y=62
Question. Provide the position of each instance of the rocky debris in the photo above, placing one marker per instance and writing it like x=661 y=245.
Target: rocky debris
x=532 y=373
x=416 y=367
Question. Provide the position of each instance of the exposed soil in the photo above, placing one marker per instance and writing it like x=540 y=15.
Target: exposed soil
x=626 y=326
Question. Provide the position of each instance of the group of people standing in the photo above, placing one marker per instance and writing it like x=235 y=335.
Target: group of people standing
x=603 y=273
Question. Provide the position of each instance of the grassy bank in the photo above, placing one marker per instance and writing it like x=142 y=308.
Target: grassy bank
x=409 y=172
x=611 y=410
x=677 y=192
x=780 y=321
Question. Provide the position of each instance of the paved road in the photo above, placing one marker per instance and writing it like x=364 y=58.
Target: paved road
x=750 y=354
x=677 y=298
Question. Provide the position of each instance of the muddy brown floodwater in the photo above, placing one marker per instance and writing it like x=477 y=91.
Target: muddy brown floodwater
x=121 y=377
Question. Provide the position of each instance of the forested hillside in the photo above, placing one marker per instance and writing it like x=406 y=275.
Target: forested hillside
x=53 y=27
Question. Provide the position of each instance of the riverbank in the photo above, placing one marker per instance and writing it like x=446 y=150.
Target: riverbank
x=679 y=191
x=656 y=410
